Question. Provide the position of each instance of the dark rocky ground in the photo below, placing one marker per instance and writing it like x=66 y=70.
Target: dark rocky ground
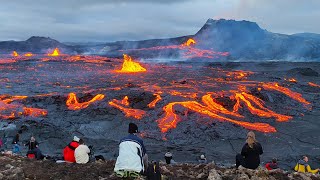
x=22 y=168
x=102 y=126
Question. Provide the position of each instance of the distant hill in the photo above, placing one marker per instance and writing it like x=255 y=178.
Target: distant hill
x=244 y=40
x=308 y=35
x=34 y=44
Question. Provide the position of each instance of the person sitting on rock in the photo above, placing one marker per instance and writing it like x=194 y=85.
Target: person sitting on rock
x=303 y=166
x=82 y=153
x=169 y=158
x=33 y=149
x=132 y=155
x=16 y=148
x=203 y=159
x=272 y=165
x=68 y=151
x=250 y=153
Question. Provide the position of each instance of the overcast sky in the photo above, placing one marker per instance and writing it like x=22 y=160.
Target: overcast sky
x=111 y=20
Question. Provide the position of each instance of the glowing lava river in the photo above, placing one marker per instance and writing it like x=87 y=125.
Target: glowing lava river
x=188 y=108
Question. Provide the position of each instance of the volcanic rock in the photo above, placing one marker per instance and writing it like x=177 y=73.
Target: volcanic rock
x=304 y=72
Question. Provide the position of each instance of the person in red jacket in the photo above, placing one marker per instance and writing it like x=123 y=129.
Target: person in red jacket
x=68 y=151
x=272 y=165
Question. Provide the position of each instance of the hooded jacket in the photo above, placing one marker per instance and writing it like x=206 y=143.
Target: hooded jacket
x=68 y=151
x=131 y=152
x=303 y=166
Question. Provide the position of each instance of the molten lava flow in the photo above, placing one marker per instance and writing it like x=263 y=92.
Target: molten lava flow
x=28 y=54
x=73 y=103
x=263 y=112
x=129 y=66
x=294 y=95
x=170 y=119
x=16 y=110
x=34 y=112
x=189 y=42
x=15 y=54
x=135 y=113
x=213 y=106
x=314 y=85
x=124 y=101
x=55 y=52
x=155 y=101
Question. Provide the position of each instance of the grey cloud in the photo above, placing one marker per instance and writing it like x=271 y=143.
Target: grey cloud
x=111 y=20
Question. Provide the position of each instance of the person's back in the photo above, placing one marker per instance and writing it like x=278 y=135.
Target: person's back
x=153 y=171
x=68 y=151
x=130 y=154
x=82 y=153
x=252 y=155
x=130 y=162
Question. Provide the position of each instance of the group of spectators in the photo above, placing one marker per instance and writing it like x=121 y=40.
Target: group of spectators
x=132 y=160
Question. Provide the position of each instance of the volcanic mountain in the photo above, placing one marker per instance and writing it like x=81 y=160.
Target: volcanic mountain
x=241 y=40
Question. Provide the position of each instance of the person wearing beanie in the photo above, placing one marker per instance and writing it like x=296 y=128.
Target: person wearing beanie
x=203 y=159
x=68 y=151
x=132 y=154
x=168 y=157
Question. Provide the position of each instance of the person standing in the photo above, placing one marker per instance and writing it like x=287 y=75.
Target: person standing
x=132 y=152
x=250 y=153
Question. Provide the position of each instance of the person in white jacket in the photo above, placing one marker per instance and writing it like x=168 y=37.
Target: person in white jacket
x=132 y=154
x=82 y=153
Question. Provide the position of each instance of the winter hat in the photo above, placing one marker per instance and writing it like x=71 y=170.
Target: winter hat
x=133 y=128
x=202 y=156
x=168 y=154
x=75 y=138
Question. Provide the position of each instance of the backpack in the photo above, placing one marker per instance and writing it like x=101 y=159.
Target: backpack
x=153 y=172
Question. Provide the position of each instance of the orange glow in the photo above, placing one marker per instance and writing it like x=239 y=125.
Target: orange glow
x=170 y=120
x=73 y=104
x=314 y=85
x=294 y=95
x=263 y=112
x=34 y=112
x=189 y=42
x=16 y=110
x=135 y=113
x=129 y=66
x=28 y=54
x=124 y=101
x=15 y=54
x=155 y=101
x=55 y=52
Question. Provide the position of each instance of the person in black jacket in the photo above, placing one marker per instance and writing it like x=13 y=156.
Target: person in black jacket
x=250 y=153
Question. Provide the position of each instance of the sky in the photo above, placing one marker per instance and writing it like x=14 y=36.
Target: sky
x=113 y=20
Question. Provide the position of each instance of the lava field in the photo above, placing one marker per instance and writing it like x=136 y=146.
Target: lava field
x=189 y=108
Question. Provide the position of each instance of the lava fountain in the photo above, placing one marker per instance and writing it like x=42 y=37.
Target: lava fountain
x=129 y=66
x=55 y=52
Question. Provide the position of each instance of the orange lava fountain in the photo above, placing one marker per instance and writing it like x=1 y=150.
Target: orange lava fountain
x=189 y=42
x=129 y=66
x=55 y=52
x=73 y=104
x=15 y=54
